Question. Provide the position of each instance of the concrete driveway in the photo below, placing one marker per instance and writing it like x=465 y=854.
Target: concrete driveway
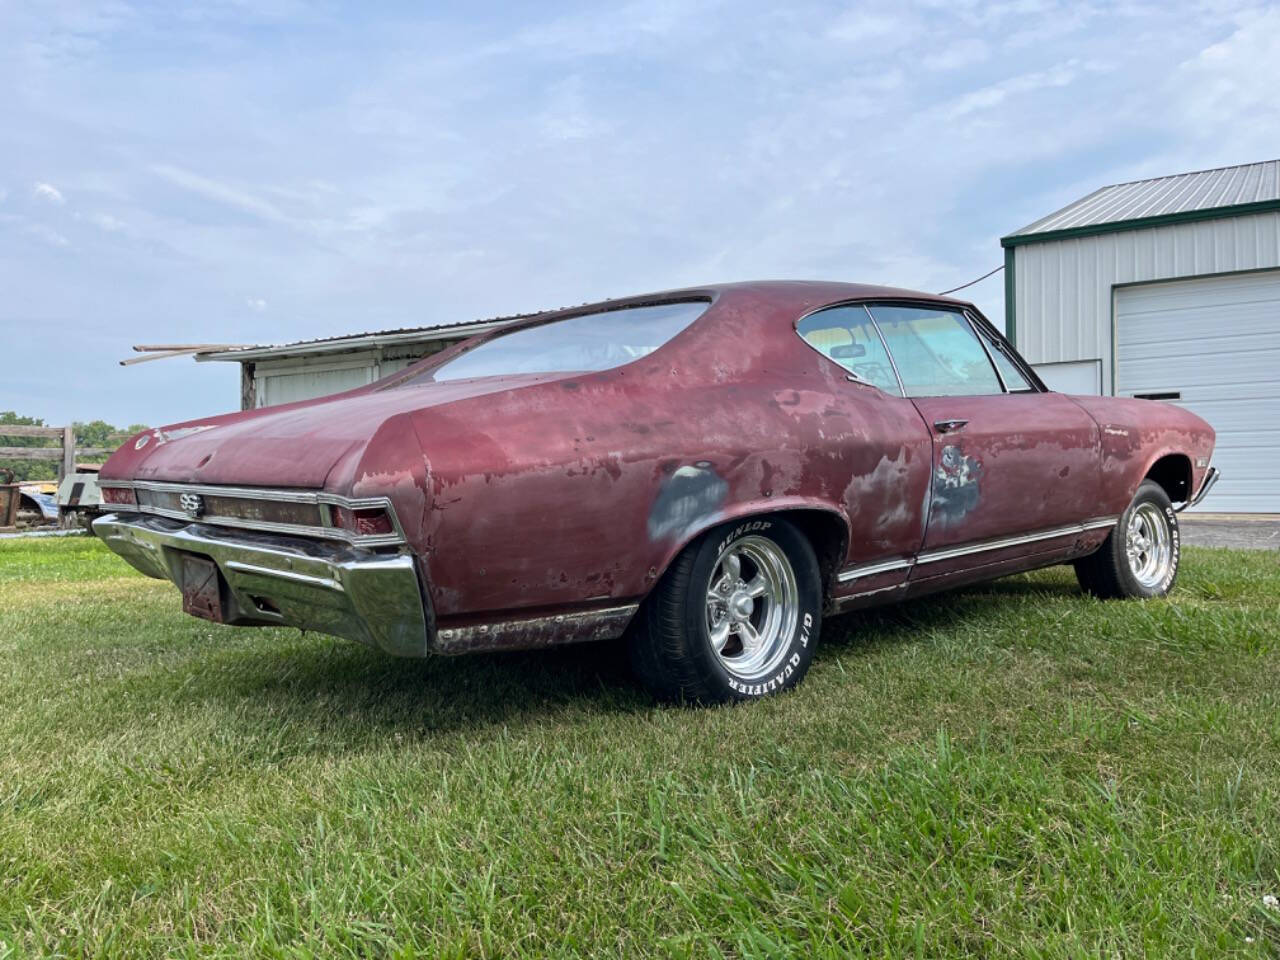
x=1240 y=531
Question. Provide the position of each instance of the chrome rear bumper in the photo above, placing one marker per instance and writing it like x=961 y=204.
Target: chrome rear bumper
x=331 y=588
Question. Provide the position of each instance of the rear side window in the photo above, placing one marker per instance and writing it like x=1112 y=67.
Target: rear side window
x=581 y=344
x=936 y=352
x=846 y=335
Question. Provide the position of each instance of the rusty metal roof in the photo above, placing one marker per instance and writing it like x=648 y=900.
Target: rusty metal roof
x=360 y=341
x=1180 y=194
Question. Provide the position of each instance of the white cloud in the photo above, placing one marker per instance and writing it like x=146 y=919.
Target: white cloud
x=963 y=52
x=50 y=236
x=568 y=116
x=47 y=191
x=256 y=304
x=105 y=222
x=1228 y=91
x=991 y=96
x=862 y=26
x=221 y=192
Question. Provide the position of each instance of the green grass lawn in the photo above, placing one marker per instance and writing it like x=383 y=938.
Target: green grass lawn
x=1011 y=770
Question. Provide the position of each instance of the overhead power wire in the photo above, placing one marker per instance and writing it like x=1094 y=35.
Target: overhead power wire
x=972 y=282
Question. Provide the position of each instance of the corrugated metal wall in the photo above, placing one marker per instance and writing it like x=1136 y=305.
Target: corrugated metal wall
x=1063 y=288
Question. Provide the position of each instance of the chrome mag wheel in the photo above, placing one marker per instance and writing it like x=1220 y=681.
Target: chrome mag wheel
x=753 y=605
x=1149 y=545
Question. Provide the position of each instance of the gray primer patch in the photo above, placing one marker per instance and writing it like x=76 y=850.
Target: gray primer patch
x=955 y=485
x=691 y=492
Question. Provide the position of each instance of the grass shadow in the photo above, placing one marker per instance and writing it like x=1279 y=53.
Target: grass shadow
x=337 y=684
x=349 y=690
x=900 y=622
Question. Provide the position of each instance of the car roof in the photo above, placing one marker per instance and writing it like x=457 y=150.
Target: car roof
x=800 y=294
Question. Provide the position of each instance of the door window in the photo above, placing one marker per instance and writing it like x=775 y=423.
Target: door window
x=936 y=352
x=846 y=335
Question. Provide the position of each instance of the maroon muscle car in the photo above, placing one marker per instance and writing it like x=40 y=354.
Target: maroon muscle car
x=704 y=473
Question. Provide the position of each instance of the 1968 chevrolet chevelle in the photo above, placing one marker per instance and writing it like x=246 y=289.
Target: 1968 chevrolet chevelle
x=703 y=473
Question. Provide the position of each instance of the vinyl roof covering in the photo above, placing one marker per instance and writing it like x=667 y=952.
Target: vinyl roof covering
x=1183 y=195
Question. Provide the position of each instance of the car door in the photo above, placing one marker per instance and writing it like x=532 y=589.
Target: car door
x=1011 y=462
x=885 y=452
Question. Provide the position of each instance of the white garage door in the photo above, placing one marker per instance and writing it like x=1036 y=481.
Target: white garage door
x=1215 y=344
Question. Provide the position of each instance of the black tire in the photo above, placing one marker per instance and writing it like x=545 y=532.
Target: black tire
x=1109 y=573
x=670 y=646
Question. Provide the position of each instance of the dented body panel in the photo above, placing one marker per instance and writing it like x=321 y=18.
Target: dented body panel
x=527 y=498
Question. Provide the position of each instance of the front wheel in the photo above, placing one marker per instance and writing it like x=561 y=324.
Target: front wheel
x=735 y=617
x=1140 y=556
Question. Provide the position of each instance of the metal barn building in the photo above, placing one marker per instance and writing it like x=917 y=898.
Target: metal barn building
x=1168 y=289
x=271 y=375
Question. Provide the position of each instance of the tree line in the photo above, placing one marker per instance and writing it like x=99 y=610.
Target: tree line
x=93 y=433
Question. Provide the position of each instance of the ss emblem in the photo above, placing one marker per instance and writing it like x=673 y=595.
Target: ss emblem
x=193 y=503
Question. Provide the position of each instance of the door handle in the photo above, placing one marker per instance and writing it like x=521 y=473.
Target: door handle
x=949 y=426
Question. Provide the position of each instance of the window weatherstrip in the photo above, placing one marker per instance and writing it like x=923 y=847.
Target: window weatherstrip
x=986 y=348
x=902 y=387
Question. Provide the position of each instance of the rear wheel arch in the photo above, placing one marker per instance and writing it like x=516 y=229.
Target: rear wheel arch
x=824 y=527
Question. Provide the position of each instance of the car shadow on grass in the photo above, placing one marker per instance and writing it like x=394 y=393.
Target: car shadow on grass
x=341 y=684
x=351 y=690
x=867 y=630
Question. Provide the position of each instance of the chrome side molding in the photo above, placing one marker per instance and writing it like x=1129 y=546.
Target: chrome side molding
x=949 y=553
x=871 y=569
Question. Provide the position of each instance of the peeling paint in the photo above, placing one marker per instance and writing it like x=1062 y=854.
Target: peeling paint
x=956 y=488
x=691 y=493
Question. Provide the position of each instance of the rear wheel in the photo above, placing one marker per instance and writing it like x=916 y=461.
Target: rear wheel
x=1140 y=556
x=735 y=617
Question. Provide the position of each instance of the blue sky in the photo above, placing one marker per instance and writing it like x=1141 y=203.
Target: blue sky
x=268 y=170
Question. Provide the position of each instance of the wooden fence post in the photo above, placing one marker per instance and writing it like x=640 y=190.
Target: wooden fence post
x=68 y=453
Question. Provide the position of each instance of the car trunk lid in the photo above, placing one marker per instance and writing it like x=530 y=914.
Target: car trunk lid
x=295 y=445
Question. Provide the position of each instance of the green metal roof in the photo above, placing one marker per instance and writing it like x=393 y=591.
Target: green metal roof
x=1202 y=195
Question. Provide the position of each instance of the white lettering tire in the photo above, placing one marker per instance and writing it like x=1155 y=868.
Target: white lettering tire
x=735 y=617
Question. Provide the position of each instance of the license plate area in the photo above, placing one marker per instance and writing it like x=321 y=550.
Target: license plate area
x=201 y=588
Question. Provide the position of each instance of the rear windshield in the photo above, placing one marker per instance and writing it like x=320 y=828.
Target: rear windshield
x=581 y=344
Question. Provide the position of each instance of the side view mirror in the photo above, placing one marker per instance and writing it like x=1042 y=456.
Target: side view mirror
x=848 y=351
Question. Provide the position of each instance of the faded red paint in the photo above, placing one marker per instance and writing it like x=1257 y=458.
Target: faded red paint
x=531 y=494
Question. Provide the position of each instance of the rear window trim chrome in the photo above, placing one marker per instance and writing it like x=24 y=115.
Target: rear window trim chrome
x=318 y=498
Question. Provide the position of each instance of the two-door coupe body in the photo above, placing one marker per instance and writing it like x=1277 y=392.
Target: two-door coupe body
x=705 y=472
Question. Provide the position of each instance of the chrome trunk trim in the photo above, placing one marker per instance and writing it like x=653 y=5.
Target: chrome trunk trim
x=268 y=494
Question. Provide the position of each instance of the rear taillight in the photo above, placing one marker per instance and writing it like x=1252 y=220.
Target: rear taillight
x=363 y=523
x=120 y=496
